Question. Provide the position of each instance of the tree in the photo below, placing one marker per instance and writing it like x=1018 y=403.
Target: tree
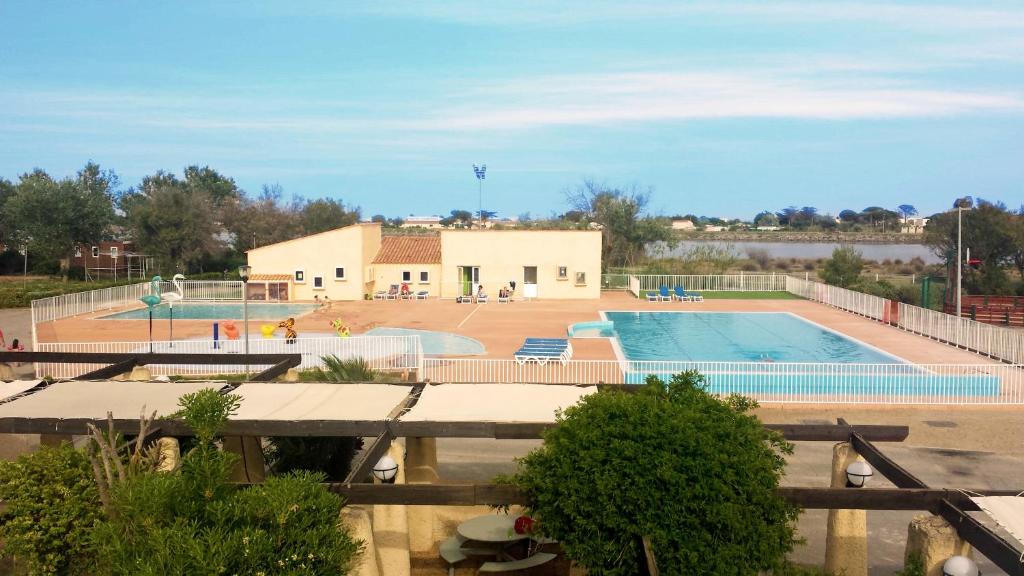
x=326 y=214
x=625 y=231
x=53 y=216
x=988 y=231
x=171 y=221
x=378 y=218
x=766 y=218
x=459 y=218
x=844 y=268
x=485 y=215
x=849 y=216
x=695 y=473
x=906 y=210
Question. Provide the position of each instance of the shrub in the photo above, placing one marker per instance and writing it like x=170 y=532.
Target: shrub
x=761 y=256
x=749 y=267
x=844 y=268
x=782 y=265
x=695 y=473
x=195 y=521
x=809 y=266
x=52 y=503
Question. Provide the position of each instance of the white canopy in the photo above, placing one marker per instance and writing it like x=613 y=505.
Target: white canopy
x=92 y=399
x=288 y=402
x=1007 y=511
x=8 y=389
x=494 y=402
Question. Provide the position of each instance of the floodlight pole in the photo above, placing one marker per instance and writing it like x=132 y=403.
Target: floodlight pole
x=959 y=259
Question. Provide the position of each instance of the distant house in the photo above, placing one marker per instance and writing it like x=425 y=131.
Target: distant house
x=430 y=222
x=348 y=263
x=914 y=225
x=713 y=228
x=769 y=228
x=683 y=224
x=111 y=259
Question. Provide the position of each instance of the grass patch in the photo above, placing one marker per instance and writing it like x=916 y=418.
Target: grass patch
x=742 y=295
x=14 y=293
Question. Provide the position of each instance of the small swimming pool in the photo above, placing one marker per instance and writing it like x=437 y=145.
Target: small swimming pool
x=219 y=311
x=436 y=343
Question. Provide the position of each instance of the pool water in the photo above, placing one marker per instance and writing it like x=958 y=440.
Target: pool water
x=736 y=336
x=220 y=311
x=436 y=343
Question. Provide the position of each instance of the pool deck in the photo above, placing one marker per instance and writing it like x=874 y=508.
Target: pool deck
x=502 y=327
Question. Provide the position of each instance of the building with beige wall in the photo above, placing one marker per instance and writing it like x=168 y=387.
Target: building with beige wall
x=352 y=262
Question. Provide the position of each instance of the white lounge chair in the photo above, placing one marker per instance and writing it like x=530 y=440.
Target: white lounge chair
x=481 y=299
x=422 y=295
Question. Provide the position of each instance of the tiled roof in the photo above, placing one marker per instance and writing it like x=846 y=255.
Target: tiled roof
x=409 y=250
x=266 y=277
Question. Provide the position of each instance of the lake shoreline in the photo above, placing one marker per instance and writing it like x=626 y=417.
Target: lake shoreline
x=802 y=237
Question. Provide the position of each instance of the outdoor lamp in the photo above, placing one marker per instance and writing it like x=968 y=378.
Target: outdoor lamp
x=386 y=470
x=243 y=272
x=857 y=474
x=960 y=566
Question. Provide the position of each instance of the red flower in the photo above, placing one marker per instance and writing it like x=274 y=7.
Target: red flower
x=523 y=525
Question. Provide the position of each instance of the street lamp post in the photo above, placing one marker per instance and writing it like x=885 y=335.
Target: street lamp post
x=243 y=273
x=481 y=175
x=959 y=259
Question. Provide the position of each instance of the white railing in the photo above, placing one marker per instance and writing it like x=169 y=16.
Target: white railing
x=713 y=282
x=873 y=307
x=1005 y=344
x=766 y=382
x=67 y=305
x=388 y=353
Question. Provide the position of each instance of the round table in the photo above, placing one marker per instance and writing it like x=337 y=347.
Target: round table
x=490 y=528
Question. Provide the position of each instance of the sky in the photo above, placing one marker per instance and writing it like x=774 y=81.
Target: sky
x=720 y=108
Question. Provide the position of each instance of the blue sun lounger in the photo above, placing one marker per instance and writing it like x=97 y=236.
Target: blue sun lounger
x=683 y=295
x=543 y=350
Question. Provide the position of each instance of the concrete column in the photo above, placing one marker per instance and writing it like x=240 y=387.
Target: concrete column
x=168 y=454
x=846 y=537
x=358 y=522
x=140 y=374
x=292 y=375
x=6 y=372
x=250 y=465
x=934 y=540
x=391 y=526
x=421 y=468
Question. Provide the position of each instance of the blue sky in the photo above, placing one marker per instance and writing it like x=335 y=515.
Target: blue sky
x=722 y=108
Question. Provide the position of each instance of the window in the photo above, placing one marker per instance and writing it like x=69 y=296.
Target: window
x=424 y=277
x=113 y=252
x=563 y=272
x=581 y=278
x=406 y=276
x=318 y=282
x=78 y=251
x=95 y=251
x=300 y=277
x=339 y=273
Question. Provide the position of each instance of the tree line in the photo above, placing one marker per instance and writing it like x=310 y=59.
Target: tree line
x=200 y=221
x=805 y=217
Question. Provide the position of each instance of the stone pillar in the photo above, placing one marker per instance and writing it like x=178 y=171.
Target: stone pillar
x=292 y=375
x=140 y=374
x=421 y=468
x=249 y=466
x=934 y=540
x=6 y=372
x=358 y=522
x=391 y=526
x=168 y=454
x=846 y=537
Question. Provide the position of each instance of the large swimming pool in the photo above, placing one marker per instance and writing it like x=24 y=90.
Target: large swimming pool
x=436 y=343
x=736 y=336
x=773 y=355
x=219 y=311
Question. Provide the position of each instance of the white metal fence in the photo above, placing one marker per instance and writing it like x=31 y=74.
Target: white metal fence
x=380 y=352
x=67 y=305
x=713 y=282
x=848 y=300
x=767 y=382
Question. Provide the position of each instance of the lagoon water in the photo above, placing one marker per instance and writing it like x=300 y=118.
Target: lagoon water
x=878 y=252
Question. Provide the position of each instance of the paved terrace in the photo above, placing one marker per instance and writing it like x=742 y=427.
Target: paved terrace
x=502 y=327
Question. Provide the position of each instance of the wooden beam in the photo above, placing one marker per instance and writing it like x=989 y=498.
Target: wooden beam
x=995 y=548
x=363 y=466
x=108 y=372
x=840 y=433
x=278 y=369
x=650 y=567
x=429 y=494
x=883 y=464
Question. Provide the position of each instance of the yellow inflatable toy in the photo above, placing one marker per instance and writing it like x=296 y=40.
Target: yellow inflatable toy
x=340 y=328
x=267 y=330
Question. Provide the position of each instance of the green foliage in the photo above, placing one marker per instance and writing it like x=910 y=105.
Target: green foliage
x=844 y=268
x=52 y=503
x=994 y=235
x=338 y=370
x=695 y=473
x=914 y=566
x=906 y=293
x=52 y=216
x=194 y=521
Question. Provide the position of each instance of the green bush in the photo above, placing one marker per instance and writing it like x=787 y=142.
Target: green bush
x=52 y=503
x=195 y=521
x=844 y=268
x=695 y=473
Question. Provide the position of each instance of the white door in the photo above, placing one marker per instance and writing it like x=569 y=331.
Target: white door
x=529 y=281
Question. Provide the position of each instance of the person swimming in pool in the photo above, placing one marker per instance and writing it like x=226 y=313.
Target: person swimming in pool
x=289 y=330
